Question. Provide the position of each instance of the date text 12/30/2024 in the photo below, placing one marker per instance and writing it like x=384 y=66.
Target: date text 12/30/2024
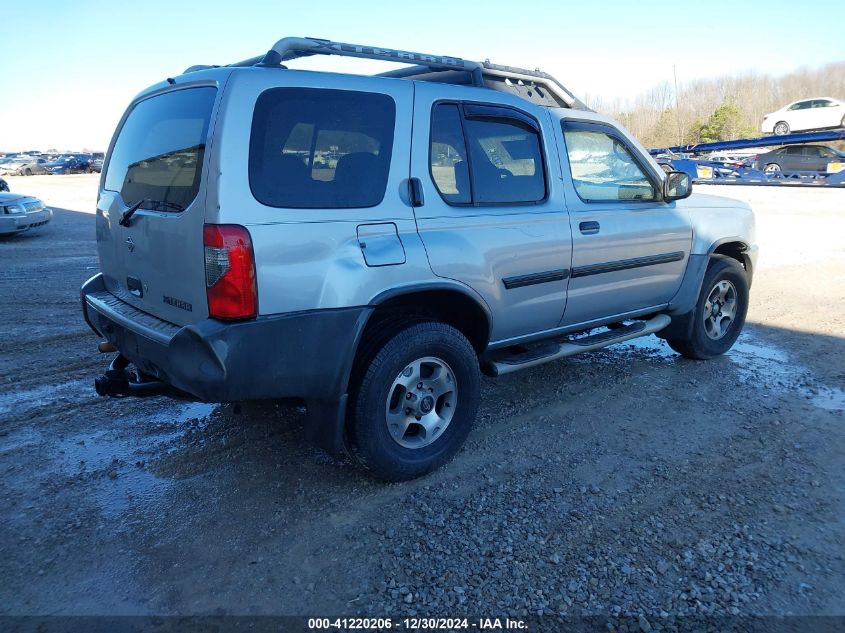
x=417 y=624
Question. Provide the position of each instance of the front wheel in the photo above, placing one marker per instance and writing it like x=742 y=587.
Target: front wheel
x=719 y=312
x=416 y=402
x=781 y=128
x=772 y=168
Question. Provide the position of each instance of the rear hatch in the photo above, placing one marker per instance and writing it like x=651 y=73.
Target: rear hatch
x=154 y=260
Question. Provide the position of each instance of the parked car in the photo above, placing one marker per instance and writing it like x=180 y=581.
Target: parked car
x=88 y=159
x=11 y=167
x=21 y=213
x=798 y=158
x=30 y=167
x=97 y=162
x=68 y=165
x=807 y=114
x=447 y=230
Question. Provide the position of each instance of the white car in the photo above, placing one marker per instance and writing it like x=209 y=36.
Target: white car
x=807 y=114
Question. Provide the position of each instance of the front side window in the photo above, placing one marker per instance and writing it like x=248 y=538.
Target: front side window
x=485 y=155
x=603 y=168
x=158 y=154
x=316 y=148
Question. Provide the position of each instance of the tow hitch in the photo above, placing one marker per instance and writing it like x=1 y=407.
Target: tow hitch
x=120 y=381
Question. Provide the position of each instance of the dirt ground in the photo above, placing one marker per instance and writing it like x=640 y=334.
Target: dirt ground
x=624 y=481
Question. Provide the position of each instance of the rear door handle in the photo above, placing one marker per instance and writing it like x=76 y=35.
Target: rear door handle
x=416 y=191
x=589 y=228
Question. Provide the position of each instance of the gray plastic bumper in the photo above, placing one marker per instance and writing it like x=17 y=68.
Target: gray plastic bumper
x=305 y=355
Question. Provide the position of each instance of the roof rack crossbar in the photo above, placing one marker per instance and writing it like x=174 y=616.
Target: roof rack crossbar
x=515 y=75
x=294 y=47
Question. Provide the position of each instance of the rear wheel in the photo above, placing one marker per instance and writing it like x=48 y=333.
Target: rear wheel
x=415 y=403
x=781 y=128
x=719 y=312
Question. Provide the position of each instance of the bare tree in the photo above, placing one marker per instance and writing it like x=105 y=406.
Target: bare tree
x=666 y=112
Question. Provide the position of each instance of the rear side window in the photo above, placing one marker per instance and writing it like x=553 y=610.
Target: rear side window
x=159 y=151
x=486 y=155
x=449 y=166
x=320 y=148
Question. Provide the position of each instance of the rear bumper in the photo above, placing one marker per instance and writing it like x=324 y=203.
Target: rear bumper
x=305 y=355
x=18 y=222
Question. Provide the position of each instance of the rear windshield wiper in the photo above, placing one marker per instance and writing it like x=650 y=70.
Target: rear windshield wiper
x=156 y=205
x=127 y=215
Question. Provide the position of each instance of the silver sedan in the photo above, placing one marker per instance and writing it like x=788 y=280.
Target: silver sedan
x=21 y=213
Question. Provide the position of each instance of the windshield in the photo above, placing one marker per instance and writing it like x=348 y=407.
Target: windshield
x=159 y=151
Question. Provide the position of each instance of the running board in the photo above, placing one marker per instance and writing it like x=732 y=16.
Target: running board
x=548 y=353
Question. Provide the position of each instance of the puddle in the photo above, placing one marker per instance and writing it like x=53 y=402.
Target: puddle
x=830 y=399
x=756 y=362
x=773 y=367
x=19 y=438
x=123 y=476
x=652 y=345
x=26 y=400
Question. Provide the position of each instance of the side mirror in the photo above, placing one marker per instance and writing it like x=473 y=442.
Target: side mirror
x=676 y=186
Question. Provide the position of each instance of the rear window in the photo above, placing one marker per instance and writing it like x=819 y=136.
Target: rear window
x=320 y=149
x=159 y=152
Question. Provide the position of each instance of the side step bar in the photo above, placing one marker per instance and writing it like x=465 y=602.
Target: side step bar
x=507 y=365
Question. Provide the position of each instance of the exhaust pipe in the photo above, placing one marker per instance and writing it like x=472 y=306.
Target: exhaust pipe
x=106 y=348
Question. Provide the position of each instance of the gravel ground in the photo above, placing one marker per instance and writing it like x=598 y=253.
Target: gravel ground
x=627 y=482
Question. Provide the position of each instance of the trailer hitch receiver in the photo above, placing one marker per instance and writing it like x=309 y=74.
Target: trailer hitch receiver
x=119 y=381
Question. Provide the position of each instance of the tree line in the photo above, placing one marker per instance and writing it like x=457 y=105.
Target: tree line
x=719 y=109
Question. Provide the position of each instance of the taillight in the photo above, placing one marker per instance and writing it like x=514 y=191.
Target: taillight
x=229 y=272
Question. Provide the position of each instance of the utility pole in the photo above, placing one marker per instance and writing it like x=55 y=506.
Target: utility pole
x=677 y=108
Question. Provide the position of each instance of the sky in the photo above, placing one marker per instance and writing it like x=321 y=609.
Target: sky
x=70 y=67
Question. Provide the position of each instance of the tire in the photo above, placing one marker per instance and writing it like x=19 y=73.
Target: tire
x=28 y=172
x=431 y=354
x=772 y=168
x=724 y=275
x=781 y=128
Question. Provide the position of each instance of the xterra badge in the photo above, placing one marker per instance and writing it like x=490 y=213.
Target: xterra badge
x=178 y=303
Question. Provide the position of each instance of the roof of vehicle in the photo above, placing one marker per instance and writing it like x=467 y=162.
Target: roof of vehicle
x=811 y=99
x=532 y=85
x=800 y=145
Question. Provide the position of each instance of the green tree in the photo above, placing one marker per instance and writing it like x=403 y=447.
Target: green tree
x=725 y=124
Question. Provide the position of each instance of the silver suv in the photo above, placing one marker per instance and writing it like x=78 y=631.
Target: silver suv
x=372 y=244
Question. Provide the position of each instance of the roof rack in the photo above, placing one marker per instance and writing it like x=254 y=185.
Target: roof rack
x=533 y=85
